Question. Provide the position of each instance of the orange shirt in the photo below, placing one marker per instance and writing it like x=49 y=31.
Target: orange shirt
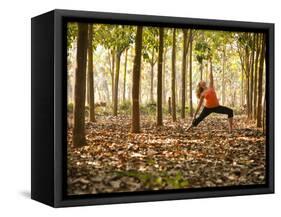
x=211 y=99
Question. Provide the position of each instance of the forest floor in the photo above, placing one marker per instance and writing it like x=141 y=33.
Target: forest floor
x=168 y=157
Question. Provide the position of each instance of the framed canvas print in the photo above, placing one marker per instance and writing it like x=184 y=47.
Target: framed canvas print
x=131 y=108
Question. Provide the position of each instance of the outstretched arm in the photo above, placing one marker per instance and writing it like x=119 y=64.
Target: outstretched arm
x=211 y=75
x=198 y=107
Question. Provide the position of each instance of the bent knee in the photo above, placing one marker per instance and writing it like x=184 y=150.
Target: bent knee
x=230 y=113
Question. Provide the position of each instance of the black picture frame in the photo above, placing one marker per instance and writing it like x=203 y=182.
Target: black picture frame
x=48 y=107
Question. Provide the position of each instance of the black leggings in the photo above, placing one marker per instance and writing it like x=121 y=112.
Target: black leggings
x=206 y=111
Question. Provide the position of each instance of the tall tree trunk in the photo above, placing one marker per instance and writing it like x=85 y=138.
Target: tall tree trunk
x=112 y=74
x=190 y=75
x=223 y=76
x=242 y=89
x=247 y=72
x=264 y=115
x=252 y=76
x=242 y=62
x=152 y=77
x=248 y=97
x=87 y=86
x=164 y=75
x=256 y=74
x=116 y=82
x=159 y=78
x=259 y=105
x=174 y=77
x=80 y=86
x=136 y=82
x=125 y=75
x=184 y=55
x=91 y=74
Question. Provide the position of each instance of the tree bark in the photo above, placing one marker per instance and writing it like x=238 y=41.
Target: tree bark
x=259 y=105
x=174 y=77
x=152 y=77
x=169 y=106
x=159 y=78
x=223 y=76
x=264 y=115
x=252 y=77
x=183 y=84
x=164 y=75
x=256 y=74
x=247 y=67
x=190 y=76
x=116 y=83
x=125 y=75
x=242 y=81
x=80 y=87
x=90 y=75
x=112 y=74
x=136 y=82
x=242 y=89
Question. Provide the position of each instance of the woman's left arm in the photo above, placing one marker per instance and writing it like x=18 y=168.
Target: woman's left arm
x=199 y=106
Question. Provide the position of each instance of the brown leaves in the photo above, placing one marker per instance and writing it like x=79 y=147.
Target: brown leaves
x=166 y=157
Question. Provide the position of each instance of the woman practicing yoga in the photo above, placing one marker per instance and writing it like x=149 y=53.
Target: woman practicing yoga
x=211 y=103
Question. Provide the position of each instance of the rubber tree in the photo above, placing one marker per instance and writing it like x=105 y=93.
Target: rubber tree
x=260 y=82
x=150 y=49
x=173 y=85
x=136 y=82
x=91 y=74
x=186 y=42
x=115 y=38
x=159 y=78
x=80 y=86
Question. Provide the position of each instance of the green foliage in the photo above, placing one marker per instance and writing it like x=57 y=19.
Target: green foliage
x=72 y=32
x=148 y=109
x=150 y=43
x=202 y=51
x=155 y=181
x=115 y=37
x=246 y=40
x=125 y=107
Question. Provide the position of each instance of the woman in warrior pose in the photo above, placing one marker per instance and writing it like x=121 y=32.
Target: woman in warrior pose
x=208 y=93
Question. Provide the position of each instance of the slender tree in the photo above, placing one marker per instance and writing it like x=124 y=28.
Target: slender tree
x=251 y=97
x=121 y=42
x=136 y=82
x=174 y=77
x=247 y=72
x=125 y=75
x=261 y=69
x=190 y=74
x=91 y=74
x=80 y=87
x=150 y=46
x=256 y=74
x=164 y=75
x=116 y=83
x=223 y=74
x=183 y=84
x=152 y=76
x=112 y=73
x=159 y=78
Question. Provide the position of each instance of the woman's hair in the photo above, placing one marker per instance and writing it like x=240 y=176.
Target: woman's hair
x=199 y=90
